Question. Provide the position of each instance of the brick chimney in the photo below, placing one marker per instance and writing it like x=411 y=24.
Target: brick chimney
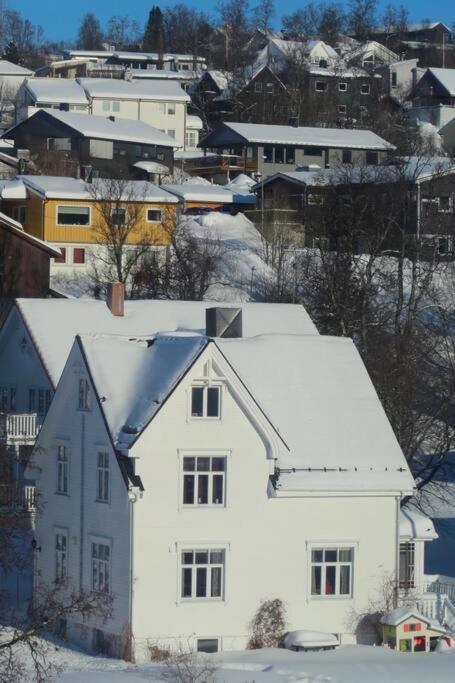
x=116 y=298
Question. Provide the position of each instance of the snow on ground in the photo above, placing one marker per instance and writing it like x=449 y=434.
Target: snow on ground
x=348 y=664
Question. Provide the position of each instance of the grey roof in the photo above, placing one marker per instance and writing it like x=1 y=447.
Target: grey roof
x=10 y=69
x=320 y=137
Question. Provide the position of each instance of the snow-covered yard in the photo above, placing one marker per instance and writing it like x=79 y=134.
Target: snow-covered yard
x=348 y=664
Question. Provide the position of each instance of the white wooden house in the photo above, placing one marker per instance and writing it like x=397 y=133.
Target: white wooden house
x=193 y=475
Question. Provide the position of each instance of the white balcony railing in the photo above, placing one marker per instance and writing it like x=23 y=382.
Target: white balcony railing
x=18 y=498
x=19 y=428
x=439 y=584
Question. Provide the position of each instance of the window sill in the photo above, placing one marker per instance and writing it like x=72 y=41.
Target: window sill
x=203 y=506
x=105 y=502
x=62 y=493
x=331 y=597
x=192 y=601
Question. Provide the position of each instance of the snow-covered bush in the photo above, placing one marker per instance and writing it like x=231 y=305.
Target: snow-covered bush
x=268 y=625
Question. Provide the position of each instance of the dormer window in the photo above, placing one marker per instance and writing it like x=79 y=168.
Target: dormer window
x=205 y=402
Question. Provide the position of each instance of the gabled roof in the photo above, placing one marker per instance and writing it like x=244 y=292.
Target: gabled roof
x=400 y=614
x=10 y=69
x=290 y=135
x=57 y=187
x=56 y=90
x=446 y=78
x=97 y=128
x=68 y=318
x=16 y=229
x=418 y=26
x=141 y=89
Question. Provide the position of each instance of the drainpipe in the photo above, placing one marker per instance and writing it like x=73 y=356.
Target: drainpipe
x=132 y=500
x=397 y=551
x=81 y=508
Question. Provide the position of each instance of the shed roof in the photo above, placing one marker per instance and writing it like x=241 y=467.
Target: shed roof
x=10 y=69
x=15 y=228
x=199 y=192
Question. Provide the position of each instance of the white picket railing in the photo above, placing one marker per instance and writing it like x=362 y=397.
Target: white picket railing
x=20 y=428
x=18 y=498
x=439 y=584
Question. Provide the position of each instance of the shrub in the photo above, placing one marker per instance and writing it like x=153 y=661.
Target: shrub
x=268 y=625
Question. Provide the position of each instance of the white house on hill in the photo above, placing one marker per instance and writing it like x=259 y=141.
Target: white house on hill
x=197 y=469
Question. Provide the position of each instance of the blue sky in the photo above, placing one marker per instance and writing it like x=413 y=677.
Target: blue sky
x=60 y=19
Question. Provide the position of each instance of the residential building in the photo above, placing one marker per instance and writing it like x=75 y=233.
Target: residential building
x=263 y=99
x=193 y=195
x=216 y=441
x=279 y=53
x=161 y=104
x=370 y=55
x=269 y=149
x=437 y=86
x=11 y=78
x=69 y=214
x=447 y=133
x=48 y=93
x=424 y=33
x=141 y=60
x=24 y=262
x=92 y=145
x=398 y=78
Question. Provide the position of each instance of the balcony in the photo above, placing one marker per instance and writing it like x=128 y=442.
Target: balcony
x=19 y=429
x=21 y=498
x=218 y=163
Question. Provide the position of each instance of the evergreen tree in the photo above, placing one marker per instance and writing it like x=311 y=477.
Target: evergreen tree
x=154 y=34
x=90 y=36
x=11 y=53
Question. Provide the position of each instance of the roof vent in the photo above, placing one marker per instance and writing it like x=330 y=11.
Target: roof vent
x=223 y=322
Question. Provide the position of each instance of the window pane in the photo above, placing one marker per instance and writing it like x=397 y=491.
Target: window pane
x=330 y=555
x=73 y=215
x=345 y=574
x=290 y=155
x=189 y=464
x=316 y=580
x=186 y=582
x=268 y=154
x=217 y=489
x=203 y=464
x=218 y=464
x=279 y=155
x=197 y=401
x=217 y=557
x=187 y=557
x=203 y=489
x=188 y=489
x=330 y=573
x=345 y=555
x=201 y=582
x=316 y=555
x=213 y=401
x=202 y=557
x=216 y=582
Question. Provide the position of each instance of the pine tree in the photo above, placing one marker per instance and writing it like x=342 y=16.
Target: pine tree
x=90 y=36
x=154 y=34
x=11 y=53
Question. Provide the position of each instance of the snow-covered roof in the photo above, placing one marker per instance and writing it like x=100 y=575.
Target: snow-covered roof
x=417 y=26
x=446 y=77
x=56 y=91
x=320 y=399
x=13 y=189
x=400 y=614
x=339 y=72
x=241 y=184
x=414 y=525
x=157 y=74
x=151 y=166
x=194 y=122
x=372 y=46
x=16 y=228
x=57 y=187
x=147 y=56
x=102 y=128
x=320 y=137
x=221 y=78
x=70 y=317
x=10 y=69
x=198 y=192
x=115 y=88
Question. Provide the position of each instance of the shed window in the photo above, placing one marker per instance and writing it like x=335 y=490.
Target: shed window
x=154 y=215
x=320 y=86
x=73 y=215
x=372 y=158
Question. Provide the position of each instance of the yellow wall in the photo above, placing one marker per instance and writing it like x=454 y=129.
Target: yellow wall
x=37 y=207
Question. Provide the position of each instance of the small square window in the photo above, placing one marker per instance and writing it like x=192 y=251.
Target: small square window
x=320 y=86
x=372 y=158
x=343 y=87
x=116 y=106
x=365 y=89
x=62 y=257
x=342 y=109
x=347 y=156
x=154 y=215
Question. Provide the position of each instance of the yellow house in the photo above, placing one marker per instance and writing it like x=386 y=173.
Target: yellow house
x=76 y=217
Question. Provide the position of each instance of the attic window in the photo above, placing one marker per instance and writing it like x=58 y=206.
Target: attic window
x=365 y=89
x=84 y=394
x=258 y=86
x=205 y=402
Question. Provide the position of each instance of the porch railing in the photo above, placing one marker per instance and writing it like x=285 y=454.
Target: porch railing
x=20 y=428
x=18 y=498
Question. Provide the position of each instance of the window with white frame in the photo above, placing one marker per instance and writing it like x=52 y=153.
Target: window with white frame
x=205 y=401
x=171 y=109
x=331 y=571
x=103 y=484
x=407 y=565
x=101 y=567
x=342 y=87
x=445 y=203
x=320 y=86
x=204 y=480
x=73 y=215
x=84 y=394
x=202 y=574
x=61 y=556
x=154 y=216
x=365 y=89
x=62 y=470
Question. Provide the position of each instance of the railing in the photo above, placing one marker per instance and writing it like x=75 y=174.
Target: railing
x=439 y=584
x=222 y=162
x=18 y=498
x=19 y=428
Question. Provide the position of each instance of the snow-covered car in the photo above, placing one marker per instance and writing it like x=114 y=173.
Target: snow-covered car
x=310 y=641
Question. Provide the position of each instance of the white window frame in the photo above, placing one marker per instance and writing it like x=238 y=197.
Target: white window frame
x=332 y=545
x=8 y=391
x=368 y=89
x=200 y=548
x=344 y=88
x=342 y=109
x=159 y=220
x=63 y=469
x=100 y=563
x=450 y=209
x=74 y=225
x=205 y=386
x=61 y=555
x=409 y=581
x=170 y=109
x=85 y=395
x=103 y=477
x=197 y=474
